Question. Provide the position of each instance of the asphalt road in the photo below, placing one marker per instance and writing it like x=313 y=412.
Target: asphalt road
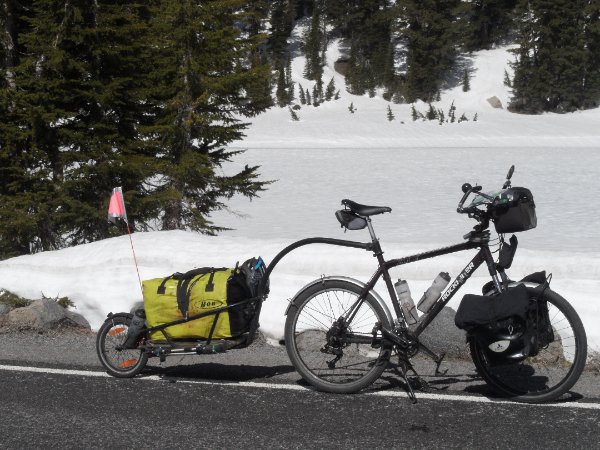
x=254 y=398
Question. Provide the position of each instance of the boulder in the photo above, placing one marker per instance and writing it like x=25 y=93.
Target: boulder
x=495 y=102
x=4 y=309
x=43 y=315
x=442 y=335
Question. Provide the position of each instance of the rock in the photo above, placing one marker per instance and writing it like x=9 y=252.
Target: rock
x=495 y=102
x=4 y=309
x=341 y=65
x=136 y=306
x=442 y=335
x=43 y=315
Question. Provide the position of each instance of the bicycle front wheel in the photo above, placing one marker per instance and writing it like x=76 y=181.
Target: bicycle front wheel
x=552 y=371
x=330 y=353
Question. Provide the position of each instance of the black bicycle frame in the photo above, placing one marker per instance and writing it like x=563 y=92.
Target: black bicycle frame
x=477 y=240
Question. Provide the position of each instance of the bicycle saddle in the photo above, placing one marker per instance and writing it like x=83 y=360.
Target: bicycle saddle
x=365 y=210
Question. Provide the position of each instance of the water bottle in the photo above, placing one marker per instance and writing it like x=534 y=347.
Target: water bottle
x=406 y=302
x=434 y=292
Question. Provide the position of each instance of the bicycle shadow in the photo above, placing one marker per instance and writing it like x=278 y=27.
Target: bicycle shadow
x=218 y=372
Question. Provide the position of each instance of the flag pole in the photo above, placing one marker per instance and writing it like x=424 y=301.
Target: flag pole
x=116 y=211
x=137 y=269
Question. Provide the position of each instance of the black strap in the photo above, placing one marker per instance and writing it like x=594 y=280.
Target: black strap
x=210 y=286
x=161 y=289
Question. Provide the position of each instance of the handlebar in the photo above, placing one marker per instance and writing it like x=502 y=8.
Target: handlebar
x=467 y=189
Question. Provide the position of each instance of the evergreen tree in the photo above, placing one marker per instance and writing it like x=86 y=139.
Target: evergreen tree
x=80 y=112
x=507 y=81
x=485 y=23
x=550 y=69
x=308 y=98
x=351 y=108
x=475 y=117
x=313 y=45
x=330 y=90
x=281 y=92
x=592 y=43
x=390 y=114
x=337 y=95
x=301 y=95
x=295 y=117
x=431 y=44
x=413 y=113
x=200 y=73
x=466 y=81
x=315 y=96
x=371 y=58
x=431 y=113
x=452 y=113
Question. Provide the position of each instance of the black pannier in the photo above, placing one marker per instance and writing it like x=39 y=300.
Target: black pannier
x=480 y=310
x=514 y=210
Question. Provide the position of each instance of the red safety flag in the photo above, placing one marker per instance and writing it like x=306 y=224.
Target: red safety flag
x=116 y=207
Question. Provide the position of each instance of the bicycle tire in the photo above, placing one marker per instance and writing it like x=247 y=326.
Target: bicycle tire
x=311 y=315
x=549 y=374
x=125 y=363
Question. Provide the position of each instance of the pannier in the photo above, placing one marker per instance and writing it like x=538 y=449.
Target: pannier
x=514 y=210
x=479 y=310
x=183 y=295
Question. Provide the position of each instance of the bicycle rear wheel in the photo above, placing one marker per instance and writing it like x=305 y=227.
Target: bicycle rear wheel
x=547 y=375
x=333 y=355
x=120 y=363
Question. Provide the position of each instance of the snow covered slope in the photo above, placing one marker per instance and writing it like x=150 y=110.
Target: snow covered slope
x=100 y=277
x=331 y=125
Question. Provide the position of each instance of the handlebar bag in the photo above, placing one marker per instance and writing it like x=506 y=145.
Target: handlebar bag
x=180 y=296
x=478 y=310
x=514 y=211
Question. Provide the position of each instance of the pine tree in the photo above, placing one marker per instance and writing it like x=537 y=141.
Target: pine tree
x=201 y=61
x=301 y=95
x=371 y=59
x=550 y=70
x=485 y=22
x=475 y=118
x=463 y=118
x=308 y=98
x=466 y=82
x=390 y=114
x=315 y=96
x=592 y=44
x=281 y=93
x=507 y=81
x=452 y=113
x=337 y=95
x=313 y=44
x=431 y=113
x=441 y=116
x=330 y=90
x=351 y=108
x=430 y=42
x=295 y=117
x=414 y=113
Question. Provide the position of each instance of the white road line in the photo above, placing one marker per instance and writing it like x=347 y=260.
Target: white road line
x=295 y=387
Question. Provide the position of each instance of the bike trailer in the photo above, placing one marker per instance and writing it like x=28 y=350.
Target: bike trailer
x=185 y=295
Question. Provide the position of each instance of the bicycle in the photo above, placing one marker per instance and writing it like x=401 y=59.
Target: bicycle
x=340 y=334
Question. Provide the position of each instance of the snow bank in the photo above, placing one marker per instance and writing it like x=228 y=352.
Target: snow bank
x=100 y=277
